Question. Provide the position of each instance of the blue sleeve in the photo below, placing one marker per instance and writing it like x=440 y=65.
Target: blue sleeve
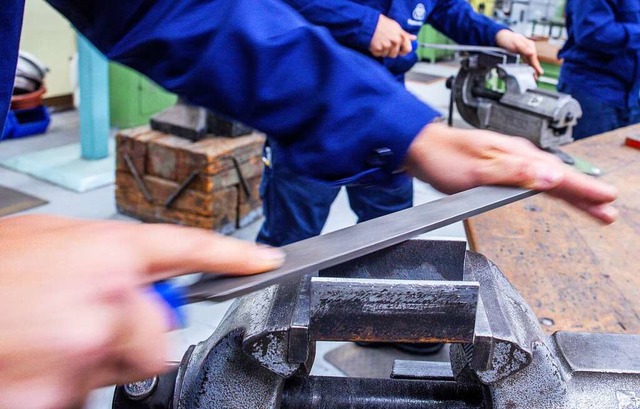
x=603 y=26
x=457 y=20
x=260 y=62
x=351 y=23
x=11 y=22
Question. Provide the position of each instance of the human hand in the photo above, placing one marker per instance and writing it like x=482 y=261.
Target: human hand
x=389 y=39
x=77 y=312
x=519 y=44
x=452 y=160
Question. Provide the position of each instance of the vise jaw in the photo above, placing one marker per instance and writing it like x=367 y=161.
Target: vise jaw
x=544 y=117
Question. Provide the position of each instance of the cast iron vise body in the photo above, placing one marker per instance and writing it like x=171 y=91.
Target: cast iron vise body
x=546 y=118
x=417 y=291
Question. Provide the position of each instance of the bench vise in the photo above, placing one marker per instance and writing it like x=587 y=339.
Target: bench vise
x=262 y=353
x=546 y=118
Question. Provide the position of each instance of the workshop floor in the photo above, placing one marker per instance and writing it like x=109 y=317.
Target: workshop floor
x=100 y=204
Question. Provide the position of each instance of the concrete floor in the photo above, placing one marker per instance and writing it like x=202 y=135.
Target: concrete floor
x=100 y=204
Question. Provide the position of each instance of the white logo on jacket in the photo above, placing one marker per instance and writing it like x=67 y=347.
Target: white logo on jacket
x=418 y=15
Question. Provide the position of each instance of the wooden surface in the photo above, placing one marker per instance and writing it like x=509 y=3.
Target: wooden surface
x=571 y=269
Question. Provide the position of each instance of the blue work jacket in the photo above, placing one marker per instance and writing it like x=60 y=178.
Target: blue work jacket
x=353 y=22
x=603 y=49
x=257 y=61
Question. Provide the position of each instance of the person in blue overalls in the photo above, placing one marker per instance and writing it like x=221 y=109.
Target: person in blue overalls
x=601 y=67
x=295 y=207
x=76 y=310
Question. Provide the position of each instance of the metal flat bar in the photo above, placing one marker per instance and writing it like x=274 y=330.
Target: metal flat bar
x=467 y=48
x=600 y=353
x=375 y=310
x=181 y=188
x=316 y=253
x=423 y=370
x=299 y=331
x=137 y=178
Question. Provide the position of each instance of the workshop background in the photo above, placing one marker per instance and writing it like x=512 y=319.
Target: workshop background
x=84 y=148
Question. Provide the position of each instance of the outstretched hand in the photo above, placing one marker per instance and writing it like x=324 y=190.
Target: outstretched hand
x=519 y=44
x=452 y=160
x=77 y=312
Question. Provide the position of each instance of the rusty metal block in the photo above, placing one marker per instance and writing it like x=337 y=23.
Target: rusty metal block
x=195 y=123
x=183 y=120
x=219 y=125
x=249 y=206
x=384 y=310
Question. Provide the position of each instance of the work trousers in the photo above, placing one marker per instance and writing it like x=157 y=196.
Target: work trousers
x=598 y=115
x=296 y=207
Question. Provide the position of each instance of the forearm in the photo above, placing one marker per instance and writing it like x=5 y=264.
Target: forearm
x=458 y=21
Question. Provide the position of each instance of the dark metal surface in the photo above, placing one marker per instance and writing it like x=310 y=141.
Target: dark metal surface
x=299 y=332
x=411 y=260
x=544 y=117
x=183 y=119
x=505 y=326
x=509 y=364
x=161 y=396
x=392 y=310
x=141 y=389
x=219 y=125
x=356 y=393
x=608 y=353
x=311 y=255
x=137 y=178
x=425 y=370
x=195 y=123
x=241 y=178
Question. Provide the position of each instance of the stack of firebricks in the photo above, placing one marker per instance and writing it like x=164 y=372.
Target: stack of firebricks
x=212 y=183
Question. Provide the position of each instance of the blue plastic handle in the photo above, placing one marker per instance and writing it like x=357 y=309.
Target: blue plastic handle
x=174 y=297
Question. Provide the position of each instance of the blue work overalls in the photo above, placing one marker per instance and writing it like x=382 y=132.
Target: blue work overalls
x=601 y=67
x=296 y=207
x=242 y=58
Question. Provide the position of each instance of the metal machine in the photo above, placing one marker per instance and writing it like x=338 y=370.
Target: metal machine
x=546 y=118
x=413 y=291
x=195 y=123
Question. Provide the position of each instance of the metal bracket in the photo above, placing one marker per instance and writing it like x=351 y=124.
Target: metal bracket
x=181 y=188
x=137 y=178
x=243 y=180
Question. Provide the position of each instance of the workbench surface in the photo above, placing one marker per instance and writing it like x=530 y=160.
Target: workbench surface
x=572 y=270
